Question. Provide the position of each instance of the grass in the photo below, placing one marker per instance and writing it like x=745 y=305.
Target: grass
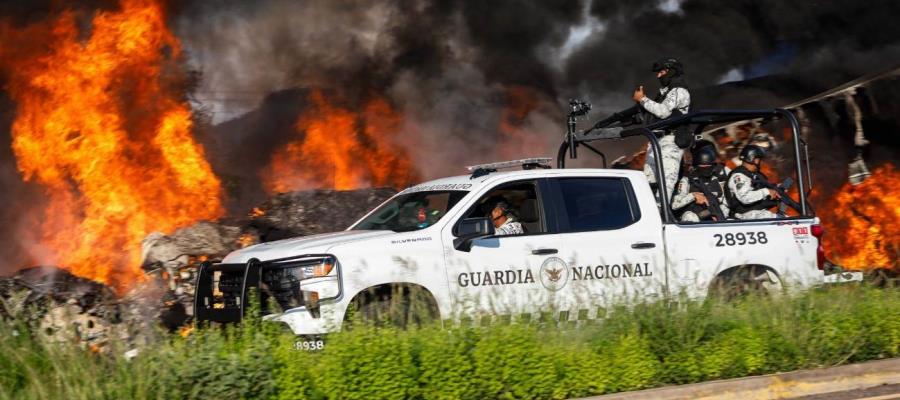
x=641 y=346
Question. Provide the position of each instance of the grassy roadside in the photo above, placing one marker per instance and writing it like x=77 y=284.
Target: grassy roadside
x=643 y=346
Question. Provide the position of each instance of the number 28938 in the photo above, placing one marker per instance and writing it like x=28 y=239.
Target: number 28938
x=740 y=239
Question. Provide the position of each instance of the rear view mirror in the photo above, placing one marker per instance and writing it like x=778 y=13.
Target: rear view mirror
x=471 y=229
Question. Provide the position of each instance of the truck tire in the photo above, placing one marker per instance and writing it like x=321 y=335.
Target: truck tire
x=743 y=281
x=393 y=305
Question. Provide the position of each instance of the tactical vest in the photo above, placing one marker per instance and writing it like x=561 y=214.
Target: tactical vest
x=739 y=208
x=714 y=184
x=684 y=138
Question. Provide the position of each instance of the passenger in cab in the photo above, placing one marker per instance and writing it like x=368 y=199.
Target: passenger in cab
x=700 y=195
x=747 y=196
x=504 y=221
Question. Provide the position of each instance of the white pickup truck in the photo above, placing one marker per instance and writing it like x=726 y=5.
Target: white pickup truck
x=591 y=237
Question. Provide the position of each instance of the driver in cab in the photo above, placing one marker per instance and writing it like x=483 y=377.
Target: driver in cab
x=504 y=221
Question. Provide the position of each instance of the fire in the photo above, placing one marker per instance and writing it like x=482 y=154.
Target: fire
x=101 y=125
x=516 y=140
x=862 y=222
x=341 y=149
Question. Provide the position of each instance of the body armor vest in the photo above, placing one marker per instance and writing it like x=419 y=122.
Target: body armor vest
x=739 y=208
x=713 y=184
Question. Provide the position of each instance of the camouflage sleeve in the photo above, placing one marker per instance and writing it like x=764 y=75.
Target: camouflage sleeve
x=740 y=186
x=509 y=228
x=682 y=197
x=676 y=98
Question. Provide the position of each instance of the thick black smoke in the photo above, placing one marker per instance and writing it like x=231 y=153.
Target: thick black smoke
x=451 y=66
x=454 y=67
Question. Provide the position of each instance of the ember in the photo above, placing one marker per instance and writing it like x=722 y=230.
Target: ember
x=101 y=128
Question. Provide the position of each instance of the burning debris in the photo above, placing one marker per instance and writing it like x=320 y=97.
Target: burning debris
x=101 y=124
x=315 y=211
x=862 y=222
x=62 y=305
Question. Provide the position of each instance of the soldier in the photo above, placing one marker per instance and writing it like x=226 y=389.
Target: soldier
x=706 y=178
x=673 y=99
x=504 y=221
x=747 y=198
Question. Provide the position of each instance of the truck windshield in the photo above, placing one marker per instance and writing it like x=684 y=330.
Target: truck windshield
x=411 y=211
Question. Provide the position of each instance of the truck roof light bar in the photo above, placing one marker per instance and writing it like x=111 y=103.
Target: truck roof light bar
x=526 y=163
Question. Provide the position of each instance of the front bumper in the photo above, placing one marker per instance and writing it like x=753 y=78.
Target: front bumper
x=222 y=291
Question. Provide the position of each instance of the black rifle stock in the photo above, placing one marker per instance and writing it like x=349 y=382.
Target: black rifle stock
x=781 y=189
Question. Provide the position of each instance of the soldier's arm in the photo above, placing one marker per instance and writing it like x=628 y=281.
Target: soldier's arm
x=741 y=187
x=682 y=197
x=675 y=98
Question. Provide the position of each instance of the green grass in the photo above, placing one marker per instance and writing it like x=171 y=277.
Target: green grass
x=635 y=347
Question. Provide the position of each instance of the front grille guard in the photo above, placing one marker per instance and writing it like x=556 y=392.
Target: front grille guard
x=221 y=290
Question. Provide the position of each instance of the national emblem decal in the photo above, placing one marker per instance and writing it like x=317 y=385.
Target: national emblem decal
x=554 y=273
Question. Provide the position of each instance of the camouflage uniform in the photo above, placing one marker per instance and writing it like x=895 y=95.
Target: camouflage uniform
x=675 y=99
x=740 y=185
x=684 y=197
x=510 y=227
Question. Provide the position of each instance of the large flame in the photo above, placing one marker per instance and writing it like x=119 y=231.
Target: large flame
x=862 y=222
x=102 y=125
x=342 y=149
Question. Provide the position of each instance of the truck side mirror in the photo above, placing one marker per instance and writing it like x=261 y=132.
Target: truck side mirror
x=471 y=229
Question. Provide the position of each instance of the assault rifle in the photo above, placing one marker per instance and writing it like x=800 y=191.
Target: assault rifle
x=622 y=118
x=782 y=189
x=712 y=202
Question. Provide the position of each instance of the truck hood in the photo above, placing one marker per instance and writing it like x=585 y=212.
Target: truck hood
x=300 y=245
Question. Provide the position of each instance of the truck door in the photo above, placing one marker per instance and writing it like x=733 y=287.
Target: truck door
x=612 y=248
x=500 y=274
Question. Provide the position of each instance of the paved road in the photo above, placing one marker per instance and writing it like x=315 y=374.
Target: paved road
x=883 y=392
x=875 y=380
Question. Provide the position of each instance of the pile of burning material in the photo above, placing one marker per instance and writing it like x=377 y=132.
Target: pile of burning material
x=63 y=306
x=174 y=259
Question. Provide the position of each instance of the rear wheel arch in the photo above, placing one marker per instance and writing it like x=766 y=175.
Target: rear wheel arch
x=741 y=280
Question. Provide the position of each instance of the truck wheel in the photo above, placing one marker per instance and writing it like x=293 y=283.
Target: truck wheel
x=399 y=306
x=743 y=281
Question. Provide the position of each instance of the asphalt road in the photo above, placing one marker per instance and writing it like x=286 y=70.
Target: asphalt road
x=874 y=380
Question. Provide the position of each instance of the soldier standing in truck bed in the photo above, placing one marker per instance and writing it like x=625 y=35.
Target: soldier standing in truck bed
x=673 y=99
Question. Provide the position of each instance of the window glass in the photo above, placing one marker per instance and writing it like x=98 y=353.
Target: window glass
x=521 y=197
x=411 y=212
x=596 y=204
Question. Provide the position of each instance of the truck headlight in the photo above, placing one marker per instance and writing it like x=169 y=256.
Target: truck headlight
x=318 y=270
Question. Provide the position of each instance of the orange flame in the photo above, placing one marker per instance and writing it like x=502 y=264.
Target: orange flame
x=342 y=150
x=516 y=139
x=862 y=222
x=101 y=125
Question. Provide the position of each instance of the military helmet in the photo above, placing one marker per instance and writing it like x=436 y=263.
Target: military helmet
x=674 y=66
x=704 y=155
x=752 y=152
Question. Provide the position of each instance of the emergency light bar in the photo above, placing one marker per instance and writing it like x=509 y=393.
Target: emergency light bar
x=525 y=163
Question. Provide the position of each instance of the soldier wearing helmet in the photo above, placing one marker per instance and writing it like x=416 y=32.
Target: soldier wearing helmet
x=673 y=99
x=706 y=176
x=746 y=197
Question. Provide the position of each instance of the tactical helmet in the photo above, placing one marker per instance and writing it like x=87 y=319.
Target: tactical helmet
x=752 y=152
x=705 y=155
x=674 y=66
